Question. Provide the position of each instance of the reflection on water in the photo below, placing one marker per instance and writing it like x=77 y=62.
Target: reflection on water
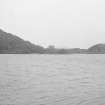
x=52 y=79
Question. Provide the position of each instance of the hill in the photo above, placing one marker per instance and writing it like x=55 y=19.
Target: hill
x=97 y=49
x=12 y=44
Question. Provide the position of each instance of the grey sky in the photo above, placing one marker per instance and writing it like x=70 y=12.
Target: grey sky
x=63 y=23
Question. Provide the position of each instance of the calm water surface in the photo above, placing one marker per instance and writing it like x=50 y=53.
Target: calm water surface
x=52 y=79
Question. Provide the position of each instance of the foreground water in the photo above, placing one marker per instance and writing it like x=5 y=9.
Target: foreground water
x=52 y=79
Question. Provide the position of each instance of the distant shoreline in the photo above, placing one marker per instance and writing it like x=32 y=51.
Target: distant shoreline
x=12 y=44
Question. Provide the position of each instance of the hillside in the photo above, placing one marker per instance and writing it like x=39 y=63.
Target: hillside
x=12 y=44
x=98 y=48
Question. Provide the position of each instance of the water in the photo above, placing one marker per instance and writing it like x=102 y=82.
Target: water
x=52 y=79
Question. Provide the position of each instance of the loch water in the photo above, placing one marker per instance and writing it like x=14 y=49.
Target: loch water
x=52 y=79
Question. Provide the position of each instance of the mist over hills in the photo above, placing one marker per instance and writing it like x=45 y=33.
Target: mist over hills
x=12 y=44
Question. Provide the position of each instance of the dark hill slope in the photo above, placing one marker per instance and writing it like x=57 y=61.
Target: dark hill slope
x=12 y=44
x=97 y=49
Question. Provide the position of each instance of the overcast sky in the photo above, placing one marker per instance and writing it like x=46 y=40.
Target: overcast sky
x=63 y=23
